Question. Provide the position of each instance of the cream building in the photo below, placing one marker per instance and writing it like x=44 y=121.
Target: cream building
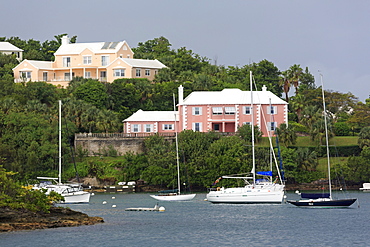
x=104 y=61
x=9 y=49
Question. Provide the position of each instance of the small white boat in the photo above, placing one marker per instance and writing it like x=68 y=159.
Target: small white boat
x=174 y=197
x=365 y=187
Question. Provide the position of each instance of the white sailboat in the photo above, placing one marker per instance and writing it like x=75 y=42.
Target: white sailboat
x=175 y=195
x=72 y=193
x=323 y=200
x=255 y=190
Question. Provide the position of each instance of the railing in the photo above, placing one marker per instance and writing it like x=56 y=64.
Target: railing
x=122 y=135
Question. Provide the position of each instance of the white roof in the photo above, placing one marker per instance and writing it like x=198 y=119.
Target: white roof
x=231 y=96
x=95 y=47
x=152 y=116
x=36 y=64
x=143 y=63
x=6 y=46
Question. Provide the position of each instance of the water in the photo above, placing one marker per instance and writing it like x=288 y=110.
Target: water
x=200 y=223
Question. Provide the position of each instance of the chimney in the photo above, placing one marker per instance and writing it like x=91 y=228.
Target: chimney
x=65 y=40
x=264 y=88
x=181 y=95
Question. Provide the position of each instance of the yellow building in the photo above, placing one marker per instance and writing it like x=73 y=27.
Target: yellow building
x=104 y=61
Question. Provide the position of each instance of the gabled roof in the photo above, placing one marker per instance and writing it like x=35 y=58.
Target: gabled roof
x=6 y=46
x=152 y=116
x=231 y=96
x=95 y=47
x=36 y=64
x=142 y=63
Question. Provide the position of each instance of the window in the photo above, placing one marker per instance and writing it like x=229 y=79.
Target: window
x=87 y=74
x=230 y=110
x=167 y=126
x=247 y=123
x=136 y=128
x=66 y=61
x=216 y=110
x=138 y=72
x=25 y=74
x=247 y=110
x=67 y=76
x=45 y=76
x=148 y=127
x=216 y=127
x=104 y=60
x=197 y=110
x=119 y=72
x=271 y=126
x=87 y=59
x=271 y=110
x=147 y=72
x=197 y=127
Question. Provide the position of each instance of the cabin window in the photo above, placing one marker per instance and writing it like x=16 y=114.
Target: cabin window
x=104 y=60
x=168 y=127
x=136 y=128
x=247 y=110
x=86 y=60
x=271 y=126
x=197 y=110
x=118 y=72
x=197 y=127
x=66 y=61
x=148 y=127
x=271 y=110
x=230 y=110
x=216 y=110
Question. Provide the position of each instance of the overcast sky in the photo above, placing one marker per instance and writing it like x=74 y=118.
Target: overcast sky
x=332 y=36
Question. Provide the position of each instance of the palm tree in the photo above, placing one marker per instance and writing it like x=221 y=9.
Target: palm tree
x=286 y=134
x=285 y=83
x=294 y=74
x=364 y=137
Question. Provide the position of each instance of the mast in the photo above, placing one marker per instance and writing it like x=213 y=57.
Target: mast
x=177 y=149
x=60 y=143
x=252 y=123
x=326 y=134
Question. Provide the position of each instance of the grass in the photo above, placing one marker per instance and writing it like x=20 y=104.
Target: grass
x=305 y=141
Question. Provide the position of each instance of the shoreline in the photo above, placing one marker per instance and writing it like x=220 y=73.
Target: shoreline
x=21 y=219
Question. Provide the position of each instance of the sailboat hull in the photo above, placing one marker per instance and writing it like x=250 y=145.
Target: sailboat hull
x=247 y=195
x=174 y=197
x=324 y=203
x=77 y=197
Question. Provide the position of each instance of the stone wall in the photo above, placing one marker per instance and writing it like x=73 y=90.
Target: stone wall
x=102 y=143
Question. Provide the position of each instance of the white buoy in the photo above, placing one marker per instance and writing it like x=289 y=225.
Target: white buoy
x=104 y=202
x=297 y=191
x=92 y=194
x=113 y=206
x=161 y=209
x=113 y=197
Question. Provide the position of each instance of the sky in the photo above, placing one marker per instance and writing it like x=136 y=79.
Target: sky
x=330 y=37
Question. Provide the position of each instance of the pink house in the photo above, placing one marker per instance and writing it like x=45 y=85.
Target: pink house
x=220 y=111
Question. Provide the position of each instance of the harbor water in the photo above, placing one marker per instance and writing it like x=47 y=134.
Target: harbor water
x=200 y=223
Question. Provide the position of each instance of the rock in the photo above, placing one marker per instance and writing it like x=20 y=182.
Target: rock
x=21 y=219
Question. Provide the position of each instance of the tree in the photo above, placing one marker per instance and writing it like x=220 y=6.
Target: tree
x=286 y=134
x=93 y=92
x=364 y=137
x=245 y=132
x=294 y=75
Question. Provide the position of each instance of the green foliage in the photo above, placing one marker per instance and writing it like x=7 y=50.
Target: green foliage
x=13 y=195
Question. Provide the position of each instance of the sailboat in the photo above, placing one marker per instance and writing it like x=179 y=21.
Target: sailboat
x=323 y=200
x=255 y=190
x=174 y=195
x=72 y=193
